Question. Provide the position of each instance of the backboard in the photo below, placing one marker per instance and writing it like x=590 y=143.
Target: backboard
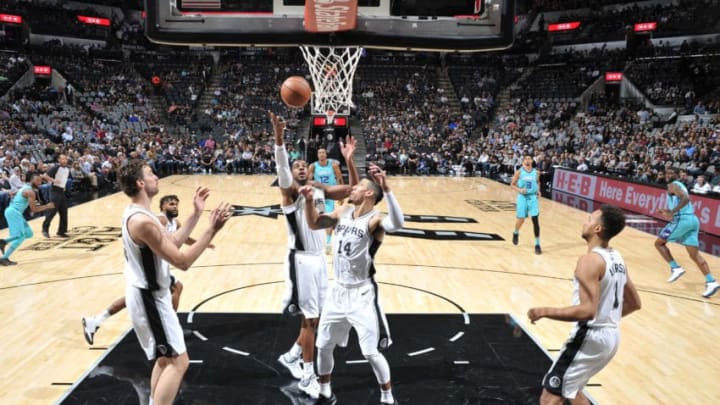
x=422 y=25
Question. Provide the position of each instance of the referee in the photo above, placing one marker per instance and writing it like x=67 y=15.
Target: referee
x=58 y=174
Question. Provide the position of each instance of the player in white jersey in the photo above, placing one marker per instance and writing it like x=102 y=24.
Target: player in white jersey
x=306 y=272
x=148 y=251
x=603 y=294
x=168 y=218
x=352 y=301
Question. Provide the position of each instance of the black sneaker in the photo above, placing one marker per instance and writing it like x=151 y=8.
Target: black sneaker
x=538 y=250
x=515 y=238
x=3 y=243
x=62 y=235
x=326 y=401
x=46 y=234
x=7 y=262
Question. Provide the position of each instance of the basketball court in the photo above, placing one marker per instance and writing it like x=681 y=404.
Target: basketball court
x=456 y=291
x=453 y=266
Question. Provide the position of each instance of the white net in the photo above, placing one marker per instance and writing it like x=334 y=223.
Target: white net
x=332 y=70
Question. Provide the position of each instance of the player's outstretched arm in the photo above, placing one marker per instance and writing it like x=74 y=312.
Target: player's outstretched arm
x=282 y=163
x=395 y=219
x=348 y=151
x=147 y=232
x=314 y=219
x=183 y=233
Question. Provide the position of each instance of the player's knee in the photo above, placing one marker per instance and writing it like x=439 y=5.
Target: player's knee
x=310 y=323
x=182 y=362
x=380 y=367
x=548 y=398
x=325 y=361
x=660 y=242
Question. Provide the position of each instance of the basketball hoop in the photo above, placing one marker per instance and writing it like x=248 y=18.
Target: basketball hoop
x=332 y=70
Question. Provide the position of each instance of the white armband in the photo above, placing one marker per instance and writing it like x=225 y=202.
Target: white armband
x=394 y=220
x=285 y=178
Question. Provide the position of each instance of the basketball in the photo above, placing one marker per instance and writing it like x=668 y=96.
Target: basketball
x=295 y=91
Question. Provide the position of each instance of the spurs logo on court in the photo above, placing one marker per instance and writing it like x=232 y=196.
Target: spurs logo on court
x=88 y=238
x=492 y=205
x=273 y=211
x=270 y=211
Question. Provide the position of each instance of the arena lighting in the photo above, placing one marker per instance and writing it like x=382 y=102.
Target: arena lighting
x=11 y=18
x=564 y=26
x=646 y=26
x=613 y=76
x=105 y=22
x=42 y=70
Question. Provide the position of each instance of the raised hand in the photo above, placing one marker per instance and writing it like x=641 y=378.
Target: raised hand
x=220 y=215
x=306 y=191
x=201 y=194
x=378 y=175
x=278 y=127
x=348 y=147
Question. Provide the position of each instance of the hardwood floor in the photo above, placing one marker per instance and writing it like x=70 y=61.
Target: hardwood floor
x=668 y=350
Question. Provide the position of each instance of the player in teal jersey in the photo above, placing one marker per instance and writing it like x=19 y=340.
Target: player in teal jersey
x=683 y=228
x=526 y=182
x=326 y=171
x=19 y=227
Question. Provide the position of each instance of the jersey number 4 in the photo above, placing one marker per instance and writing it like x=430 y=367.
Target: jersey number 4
x=343 y=247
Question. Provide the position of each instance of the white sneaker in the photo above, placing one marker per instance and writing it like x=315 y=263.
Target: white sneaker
x=675 y=274
x=293 y=366
x=309 y=385
x=711 y=288
x=90 y=326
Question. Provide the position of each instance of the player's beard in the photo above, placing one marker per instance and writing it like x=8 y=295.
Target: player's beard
x=172 y=214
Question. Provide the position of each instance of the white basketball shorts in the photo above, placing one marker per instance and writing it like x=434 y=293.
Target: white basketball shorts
x=306 y=283
x=155 y=322
x=585 y=353
x=357 y=308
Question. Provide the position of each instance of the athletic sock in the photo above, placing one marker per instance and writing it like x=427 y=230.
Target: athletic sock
x=537 y=241
x=325 y=390
x=103 y=316
x=709 y=278
x=295 y=351
x=308 y=368
x=386 y=397
x=673 y=264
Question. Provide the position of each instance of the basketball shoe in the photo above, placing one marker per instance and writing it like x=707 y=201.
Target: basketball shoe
x=309 y=385
x=675 y=274
x=292 y=365
x=90 y=326
x=711 y=288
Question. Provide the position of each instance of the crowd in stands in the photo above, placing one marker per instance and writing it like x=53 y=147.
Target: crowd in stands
x=187 y=112
x=684 y=17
